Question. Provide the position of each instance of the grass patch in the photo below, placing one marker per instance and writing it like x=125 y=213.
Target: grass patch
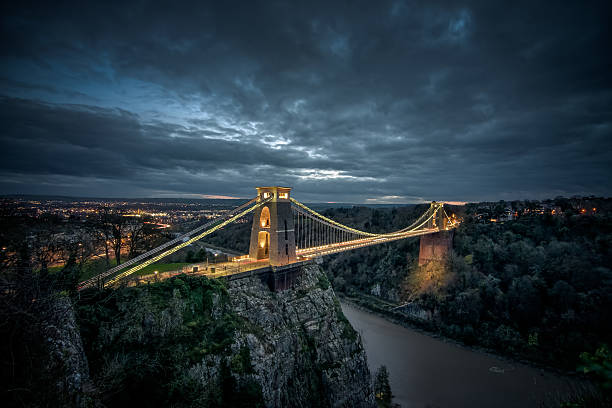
x=323 y=282
x=95 y=267
x=149 y=269
x=90 y=268
x=348 y=332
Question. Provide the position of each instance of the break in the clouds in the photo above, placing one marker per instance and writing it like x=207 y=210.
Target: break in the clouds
x=349 y=102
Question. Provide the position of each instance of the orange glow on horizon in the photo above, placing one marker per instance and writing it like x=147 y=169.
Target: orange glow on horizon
x=218 y=197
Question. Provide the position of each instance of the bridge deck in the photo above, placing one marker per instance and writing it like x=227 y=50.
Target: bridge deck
x=246 y=267
x=358 y=243
x=227 y=270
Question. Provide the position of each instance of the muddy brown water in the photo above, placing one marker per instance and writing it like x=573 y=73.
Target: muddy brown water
x=429 y=372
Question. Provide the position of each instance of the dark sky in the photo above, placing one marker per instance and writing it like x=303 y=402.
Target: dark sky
x=368 y=101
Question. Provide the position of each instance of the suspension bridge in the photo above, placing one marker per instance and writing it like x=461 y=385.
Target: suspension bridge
x=284 y=232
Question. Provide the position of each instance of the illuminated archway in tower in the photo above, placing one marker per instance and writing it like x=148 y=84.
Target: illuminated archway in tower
x=264 y=219
x=263 y=246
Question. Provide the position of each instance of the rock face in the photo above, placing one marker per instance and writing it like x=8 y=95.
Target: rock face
x=304 y=349
x=191 y=341
x=66 y=361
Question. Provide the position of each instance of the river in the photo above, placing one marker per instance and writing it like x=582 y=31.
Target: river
x=429 y=372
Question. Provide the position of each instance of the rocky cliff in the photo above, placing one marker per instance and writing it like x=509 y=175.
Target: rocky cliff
x=304 y=344
x=66 y=360
x=196 y=342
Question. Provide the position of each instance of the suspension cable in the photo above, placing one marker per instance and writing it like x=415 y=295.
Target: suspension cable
x=180 y=246
x=325 y=220
x=155 y=250
x=186 y=243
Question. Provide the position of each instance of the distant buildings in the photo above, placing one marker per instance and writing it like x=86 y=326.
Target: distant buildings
x=492 y=212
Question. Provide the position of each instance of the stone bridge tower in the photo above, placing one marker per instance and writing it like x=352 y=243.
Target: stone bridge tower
x=435 y=247
x=273 y=233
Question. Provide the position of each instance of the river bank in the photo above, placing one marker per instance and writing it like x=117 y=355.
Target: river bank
x=424 y=327
x=434 y=372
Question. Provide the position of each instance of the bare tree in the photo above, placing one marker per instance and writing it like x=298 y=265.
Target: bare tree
x=32 y=307
x=78 y=249
x=142 y=235
x=99 y=229
x=109 y=229
x=135 y=233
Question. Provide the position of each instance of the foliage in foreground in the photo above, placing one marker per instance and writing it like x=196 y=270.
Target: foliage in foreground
x=28 y=307
x=141 y=342
x=597 y=394
x=382 y=388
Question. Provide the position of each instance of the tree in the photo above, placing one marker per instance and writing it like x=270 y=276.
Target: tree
x=117 y=225
x=525 y=301
x=43 y=242
x=562 y=295
x=382 y=388
x=465 y=307
x=33 y=305
x=136 y=231
x=101 y=228
x=599 y=366
x=112 y=229
x=430 y=279
x=141 y=235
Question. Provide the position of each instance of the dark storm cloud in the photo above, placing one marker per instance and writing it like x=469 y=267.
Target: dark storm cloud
x=396 y=101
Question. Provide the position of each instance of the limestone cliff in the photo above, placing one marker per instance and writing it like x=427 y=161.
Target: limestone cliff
x=66 y=363
x=304 y=343
x=195 y=342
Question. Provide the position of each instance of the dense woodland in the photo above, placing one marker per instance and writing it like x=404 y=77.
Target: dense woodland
x=538 y=287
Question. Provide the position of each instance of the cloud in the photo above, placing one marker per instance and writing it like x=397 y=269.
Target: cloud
x=417 y=100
